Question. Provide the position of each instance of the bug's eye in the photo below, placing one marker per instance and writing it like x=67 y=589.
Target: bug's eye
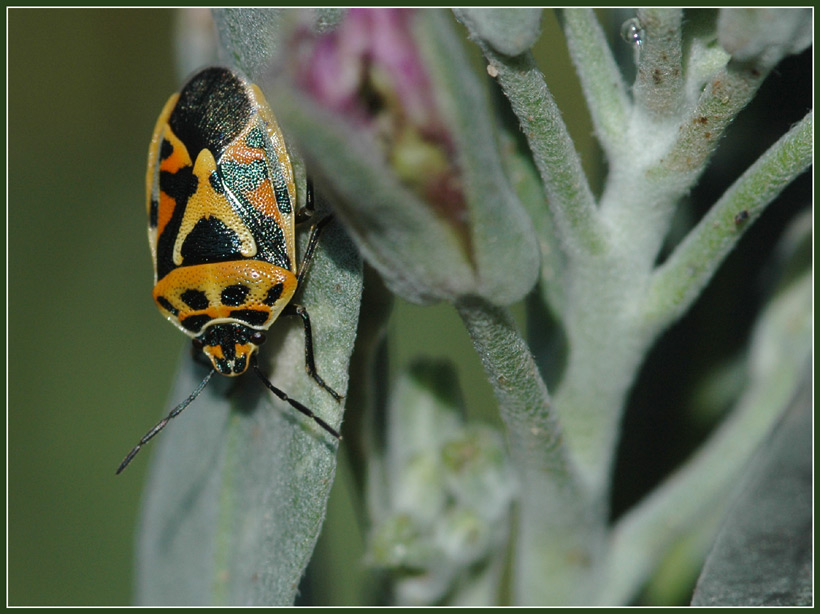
x=197 y=343
x=258 y=338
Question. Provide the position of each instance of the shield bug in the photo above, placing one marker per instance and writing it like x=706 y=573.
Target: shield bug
x=221 y=200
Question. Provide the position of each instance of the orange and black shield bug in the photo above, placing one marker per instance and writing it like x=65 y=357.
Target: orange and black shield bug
x=221 y=200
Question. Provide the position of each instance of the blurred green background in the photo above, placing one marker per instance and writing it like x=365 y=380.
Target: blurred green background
x=91 y=362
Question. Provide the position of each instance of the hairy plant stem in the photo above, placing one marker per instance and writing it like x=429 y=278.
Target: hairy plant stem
x=565 y=184
x=659 y=85
x=560 y=528
x=679 y=281
x=600 y=76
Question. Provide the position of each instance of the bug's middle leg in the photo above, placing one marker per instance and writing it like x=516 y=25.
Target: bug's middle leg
x=294 y=309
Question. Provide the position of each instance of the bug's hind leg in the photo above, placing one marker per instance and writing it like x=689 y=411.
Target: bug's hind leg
x=292 y=402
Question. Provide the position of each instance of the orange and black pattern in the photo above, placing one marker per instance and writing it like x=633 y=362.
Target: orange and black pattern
x=220 y=200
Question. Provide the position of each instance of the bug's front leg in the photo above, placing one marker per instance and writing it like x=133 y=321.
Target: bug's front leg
x=306 y=212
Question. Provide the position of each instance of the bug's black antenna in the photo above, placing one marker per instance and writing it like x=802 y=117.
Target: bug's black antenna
x=162 y=423
x=293 y=403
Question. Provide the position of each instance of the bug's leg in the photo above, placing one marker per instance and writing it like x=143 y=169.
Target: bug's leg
x=163 y=423
x=306 y=212
x=313 y=241
x=292 y=402
x=292 y=309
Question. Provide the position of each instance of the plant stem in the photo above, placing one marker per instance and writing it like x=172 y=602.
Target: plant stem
x=559 y=530
x=525 y=403
x=601 y=79
x=658 y=88
x=565 y=184
x=728 y=92
x=679 y=281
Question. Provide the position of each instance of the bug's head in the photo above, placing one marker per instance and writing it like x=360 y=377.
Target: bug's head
x=229 y=346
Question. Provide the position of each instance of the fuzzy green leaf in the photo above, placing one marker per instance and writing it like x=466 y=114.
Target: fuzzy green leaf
x=508 y=31
x=505 y=247
x=659 y=84
x=240 y=480
x=763 y=555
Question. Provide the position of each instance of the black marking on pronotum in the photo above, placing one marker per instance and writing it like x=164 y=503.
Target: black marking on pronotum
x=235 y=295
x=251 y=316
x=166 y=304
x=273 y=294
x=228 y=332
x=195 y=323
x=195 y=299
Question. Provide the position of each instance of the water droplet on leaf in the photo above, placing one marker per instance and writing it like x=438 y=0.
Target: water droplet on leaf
x=632 y=32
